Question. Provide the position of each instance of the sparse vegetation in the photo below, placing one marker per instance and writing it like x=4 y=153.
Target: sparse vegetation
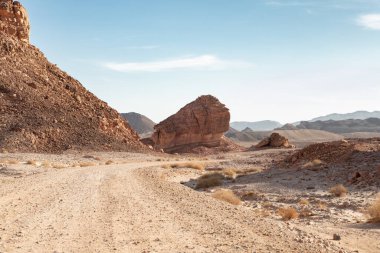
x=109 y=162
x=46 y=164
x=86 y=164
x=191 y=165
x=374 y=211
x=338 y=190
x=303 y=202
x=227 y=196
x=32 y=162
x=288 y=213
x=209 y=180
x=59 y=166
x=230 y=173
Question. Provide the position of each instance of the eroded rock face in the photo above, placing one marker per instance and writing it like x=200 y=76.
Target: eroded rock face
x=200 y=123
x=274 y=141
x=14 y=20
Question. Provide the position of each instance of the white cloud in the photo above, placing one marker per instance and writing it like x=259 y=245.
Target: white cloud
x=370 y=21
x=208 y=62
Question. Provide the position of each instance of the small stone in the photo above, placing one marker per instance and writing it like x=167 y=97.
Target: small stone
x=336 y=237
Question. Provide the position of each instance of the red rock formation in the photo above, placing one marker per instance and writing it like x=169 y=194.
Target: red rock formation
x=200 y=123
x=14 y=20
x=274 y=141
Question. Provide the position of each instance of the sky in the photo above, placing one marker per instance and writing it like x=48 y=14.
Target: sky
x=284 y=60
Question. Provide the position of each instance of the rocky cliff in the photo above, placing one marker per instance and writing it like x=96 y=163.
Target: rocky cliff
x=14 y=20
x=200 y=123
x=43 y=109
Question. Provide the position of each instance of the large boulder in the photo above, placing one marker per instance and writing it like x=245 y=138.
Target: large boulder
x=200 y=123
x=14 y=20
x=274 y=141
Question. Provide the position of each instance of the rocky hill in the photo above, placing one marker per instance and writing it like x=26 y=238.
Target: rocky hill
x=345 y=116
x=343 y=126
x=140 y=123
x=43 y=109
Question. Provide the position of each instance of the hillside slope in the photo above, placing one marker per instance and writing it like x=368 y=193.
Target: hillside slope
x=140 y=123
x=43 y=109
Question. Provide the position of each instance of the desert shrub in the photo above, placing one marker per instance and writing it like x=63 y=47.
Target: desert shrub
x=31 y=162
x=230 y=173
x=374 y=211
x=86 y=164
x=196 y=166
x=109 y=162
x=46 y=164
x=306 y=212
x=338 y=190
x=247 y=196
x=227 y=196
x=209 y=180
x=303 y=202
x=322 y=205
x=288 y=213
x=191 y=165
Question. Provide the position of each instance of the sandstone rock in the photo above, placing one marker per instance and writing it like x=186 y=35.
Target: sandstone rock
x=200 y=123
x=274 y=141
x=14 y=20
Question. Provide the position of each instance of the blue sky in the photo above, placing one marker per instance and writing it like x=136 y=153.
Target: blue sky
x=285 y=60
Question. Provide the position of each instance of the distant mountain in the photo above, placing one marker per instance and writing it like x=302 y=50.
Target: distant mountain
x=140 y=123
x=343 y=126
x=353 y=115
x=266 y=125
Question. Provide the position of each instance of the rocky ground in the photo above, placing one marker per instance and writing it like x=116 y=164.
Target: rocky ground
x=125 y=202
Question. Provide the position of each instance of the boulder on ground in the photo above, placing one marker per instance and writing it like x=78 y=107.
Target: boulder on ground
x=274 y=141
x=203 y=122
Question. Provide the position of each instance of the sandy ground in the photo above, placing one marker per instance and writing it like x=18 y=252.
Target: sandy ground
x=134 y=205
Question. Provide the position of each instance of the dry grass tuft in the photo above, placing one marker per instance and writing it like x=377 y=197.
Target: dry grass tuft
x=338 y=190
x=209 y=180
x=58 y=166
x=303 y=202
x=32 y=162
x=313 y=163
x=374 y=211
x=109 y=162
x=46 y=164
x=87 y=164
x=227 y=196
x=191 y=165
x=288 y=213
x=230 y=173
x=322 y=205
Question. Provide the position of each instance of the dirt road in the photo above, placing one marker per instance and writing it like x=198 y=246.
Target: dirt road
x=132 y=208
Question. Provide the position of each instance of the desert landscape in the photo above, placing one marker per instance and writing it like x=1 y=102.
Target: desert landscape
x=76 y=175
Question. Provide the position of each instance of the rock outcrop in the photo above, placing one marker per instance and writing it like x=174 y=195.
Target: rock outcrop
x=274 y=141
x=14 y=20
x=43 y=109
x=200 y=123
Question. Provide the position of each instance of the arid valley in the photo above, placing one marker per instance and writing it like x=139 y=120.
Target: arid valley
x=79 y=175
